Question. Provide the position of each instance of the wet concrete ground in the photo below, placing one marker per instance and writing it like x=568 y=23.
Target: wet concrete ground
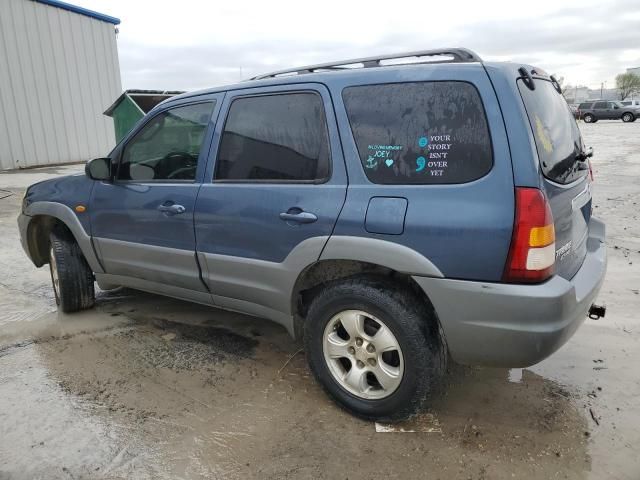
x=149 y=387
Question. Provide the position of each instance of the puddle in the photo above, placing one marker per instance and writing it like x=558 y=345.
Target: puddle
x=180 y=391
x=168 y=389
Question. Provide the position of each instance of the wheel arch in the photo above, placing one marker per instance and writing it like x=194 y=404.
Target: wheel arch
x=38 y=240
x=323 y=272
x=44 y=217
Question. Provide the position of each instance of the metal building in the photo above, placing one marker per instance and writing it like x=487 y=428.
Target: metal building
x=58 y=72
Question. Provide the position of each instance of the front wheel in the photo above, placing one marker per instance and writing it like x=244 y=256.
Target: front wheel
x=71 y=276
x=628 y=117
x=375 y=347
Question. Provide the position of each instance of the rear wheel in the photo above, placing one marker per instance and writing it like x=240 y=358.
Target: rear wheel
x=375 y=347
x=628 y=117
x=71 y=276
x=588 y=118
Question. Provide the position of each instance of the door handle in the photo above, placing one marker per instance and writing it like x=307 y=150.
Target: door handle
x=298 y=217
x=171 y=209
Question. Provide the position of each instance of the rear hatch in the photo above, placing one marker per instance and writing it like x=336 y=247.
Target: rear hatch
x=565 y=168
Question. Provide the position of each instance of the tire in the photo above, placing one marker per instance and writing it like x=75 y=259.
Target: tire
x=416 y=365
x=71 y=276
x=588 y=118
x=628 y=117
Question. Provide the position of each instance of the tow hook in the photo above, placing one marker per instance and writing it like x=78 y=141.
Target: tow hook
x=597 y=311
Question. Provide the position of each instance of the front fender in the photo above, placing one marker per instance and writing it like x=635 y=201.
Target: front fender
x=68 y=217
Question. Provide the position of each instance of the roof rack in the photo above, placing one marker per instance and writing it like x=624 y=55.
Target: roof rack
x=460 y=55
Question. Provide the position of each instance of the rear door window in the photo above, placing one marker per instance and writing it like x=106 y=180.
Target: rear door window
x=420 y=132
x=275 y=138
x=555 y=131
x=600 y=106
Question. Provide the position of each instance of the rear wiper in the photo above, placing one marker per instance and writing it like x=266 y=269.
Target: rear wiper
x=583 y=156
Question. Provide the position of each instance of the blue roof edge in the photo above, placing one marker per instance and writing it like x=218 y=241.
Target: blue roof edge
x=81 y=11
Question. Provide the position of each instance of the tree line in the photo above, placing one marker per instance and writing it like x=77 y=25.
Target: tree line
x=627 y=84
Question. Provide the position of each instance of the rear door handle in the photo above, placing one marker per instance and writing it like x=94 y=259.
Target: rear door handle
x=298 y=217
x=171 y=209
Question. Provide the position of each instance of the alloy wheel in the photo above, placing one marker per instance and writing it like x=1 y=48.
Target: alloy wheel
x=363 y=355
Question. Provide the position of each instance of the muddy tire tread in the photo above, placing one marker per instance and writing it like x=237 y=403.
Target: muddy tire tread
x=76 y=281
x=414 y=324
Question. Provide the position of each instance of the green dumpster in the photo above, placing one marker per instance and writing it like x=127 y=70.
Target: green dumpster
x=131 y=106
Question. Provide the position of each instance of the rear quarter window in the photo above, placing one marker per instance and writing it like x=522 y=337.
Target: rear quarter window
x=420 y=132
x=557 y=137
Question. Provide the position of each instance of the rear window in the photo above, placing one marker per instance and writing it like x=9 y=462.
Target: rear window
x=556 y=133
x=420 y=133
x=584 y=106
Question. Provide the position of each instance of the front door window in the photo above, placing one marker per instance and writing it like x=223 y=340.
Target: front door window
x=167 y=148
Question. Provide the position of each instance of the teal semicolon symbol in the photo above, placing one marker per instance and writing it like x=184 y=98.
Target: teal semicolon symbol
x=421 y=163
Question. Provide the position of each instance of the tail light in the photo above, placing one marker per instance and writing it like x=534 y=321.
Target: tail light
x=532 y=253
x=590 y=170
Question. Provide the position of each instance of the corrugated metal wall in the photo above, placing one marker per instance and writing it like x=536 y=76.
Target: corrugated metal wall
x=58 y=72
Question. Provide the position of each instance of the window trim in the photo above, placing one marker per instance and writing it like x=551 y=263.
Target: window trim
x=165 y=181
x=355 y=143
x=318 y=181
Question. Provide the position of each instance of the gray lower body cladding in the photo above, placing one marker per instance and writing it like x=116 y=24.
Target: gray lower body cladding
x=510 y=325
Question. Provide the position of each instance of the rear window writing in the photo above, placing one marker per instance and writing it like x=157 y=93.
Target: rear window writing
x=420 y=132
x=555 y=131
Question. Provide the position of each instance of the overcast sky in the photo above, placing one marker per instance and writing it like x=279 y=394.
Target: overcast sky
x=190 y=44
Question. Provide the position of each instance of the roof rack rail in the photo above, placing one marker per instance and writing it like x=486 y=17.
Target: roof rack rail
x=460 y=55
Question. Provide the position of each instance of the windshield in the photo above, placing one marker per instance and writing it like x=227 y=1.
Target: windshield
x=555 y=131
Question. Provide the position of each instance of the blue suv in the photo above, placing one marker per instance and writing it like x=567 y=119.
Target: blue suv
x=391 y=212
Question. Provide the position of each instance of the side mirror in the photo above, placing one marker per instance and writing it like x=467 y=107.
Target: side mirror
x=98 y=169
x=615 y=107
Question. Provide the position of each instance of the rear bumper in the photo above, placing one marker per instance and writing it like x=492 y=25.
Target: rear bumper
x=517 y=325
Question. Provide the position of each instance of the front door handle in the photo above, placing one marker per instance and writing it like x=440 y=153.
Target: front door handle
x=298 y=217
x=173 y=209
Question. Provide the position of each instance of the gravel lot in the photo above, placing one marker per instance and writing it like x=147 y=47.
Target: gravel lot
x=149 y=387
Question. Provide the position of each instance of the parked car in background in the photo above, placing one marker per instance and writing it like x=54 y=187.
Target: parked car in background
x=595 y=110
x=360 y=208
x=631 y=103
x=575 y=111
